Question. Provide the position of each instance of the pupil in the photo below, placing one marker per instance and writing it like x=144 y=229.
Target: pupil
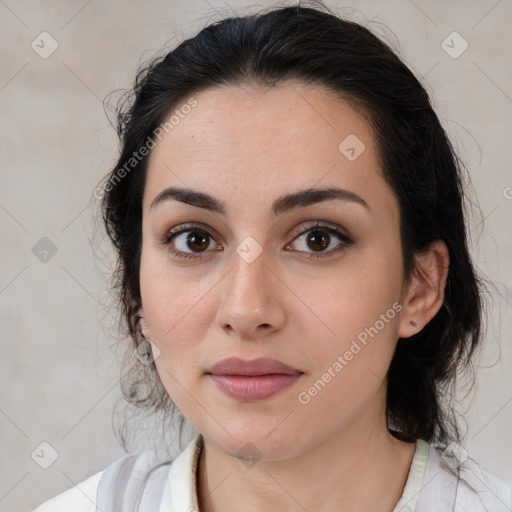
x=317 y=239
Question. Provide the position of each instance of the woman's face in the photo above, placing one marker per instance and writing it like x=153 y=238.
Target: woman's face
x=259 y=279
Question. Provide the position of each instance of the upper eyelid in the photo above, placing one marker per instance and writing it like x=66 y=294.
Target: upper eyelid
x=183 y=228
x=321 y=224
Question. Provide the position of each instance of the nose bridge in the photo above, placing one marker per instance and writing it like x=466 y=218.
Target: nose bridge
x=248 y=298
x=248 y=277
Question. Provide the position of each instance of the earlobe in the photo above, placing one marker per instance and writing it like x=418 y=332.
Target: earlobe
x=144 y=324
x=425 y=294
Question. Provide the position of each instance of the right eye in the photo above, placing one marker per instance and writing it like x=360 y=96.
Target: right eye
x=196 y=238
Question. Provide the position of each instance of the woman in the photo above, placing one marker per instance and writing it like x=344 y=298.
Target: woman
x=293 y=270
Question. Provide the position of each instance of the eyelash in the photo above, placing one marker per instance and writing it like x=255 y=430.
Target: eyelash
x=328 y=227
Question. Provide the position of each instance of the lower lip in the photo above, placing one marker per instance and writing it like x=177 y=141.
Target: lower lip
x=257 y=387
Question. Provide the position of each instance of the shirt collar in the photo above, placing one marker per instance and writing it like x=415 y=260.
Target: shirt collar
x=415 y=479
x=180 y=491
x=180 y=487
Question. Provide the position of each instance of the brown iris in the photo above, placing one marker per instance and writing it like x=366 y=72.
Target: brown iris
x=198 y=238
x=319 y=238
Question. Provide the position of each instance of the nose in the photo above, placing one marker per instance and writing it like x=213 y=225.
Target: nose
x=250 y=303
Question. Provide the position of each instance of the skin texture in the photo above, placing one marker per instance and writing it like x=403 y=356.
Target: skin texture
x=246 y=147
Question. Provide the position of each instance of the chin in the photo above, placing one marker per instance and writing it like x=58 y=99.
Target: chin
x=253 y=442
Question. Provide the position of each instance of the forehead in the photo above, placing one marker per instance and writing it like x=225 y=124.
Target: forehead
x=267 y=141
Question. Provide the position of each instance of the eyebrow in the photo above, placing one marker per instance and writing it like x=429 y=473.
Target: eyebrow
x=286 y=203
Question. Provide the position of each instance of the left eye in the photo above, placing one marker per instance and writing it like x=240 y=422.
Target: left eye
x=319 y=238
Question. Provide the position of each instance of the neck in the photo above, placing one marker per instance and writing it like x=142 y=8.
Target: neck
x=360 y=467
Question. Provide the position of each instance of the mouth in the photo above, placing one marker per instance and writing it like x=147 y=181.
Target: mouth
x=252 y=380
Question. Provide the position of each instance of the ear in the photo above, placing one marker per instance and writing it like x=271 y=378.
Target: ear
x=425 y=293
x=144 y=325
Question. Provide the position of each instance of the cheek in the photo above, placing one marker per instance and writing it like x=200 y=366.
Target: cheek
x=350 y=367
x=175 y=315
x=358 y=316
x=351 y=300
x=166 y=296
x=177 y=310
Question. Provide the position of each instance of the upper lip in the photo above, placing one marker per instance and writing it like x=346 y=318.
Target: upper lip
x=260 y=366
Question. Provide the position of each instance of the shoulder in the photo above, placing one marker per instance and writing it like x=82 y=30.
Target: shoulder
x=483 y=489
x=101 y=488
x=455 y=478
x=80 y=498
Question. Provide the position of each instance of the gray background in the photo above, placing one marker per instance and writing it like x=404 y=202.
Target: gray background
x=58 y=365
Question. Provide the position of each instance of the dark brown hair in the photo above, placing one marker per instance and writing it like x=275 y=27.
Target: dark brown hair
x=316 y=46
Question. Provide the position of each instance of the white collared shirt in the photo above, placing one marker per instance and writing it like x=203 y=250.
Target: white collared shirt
x=437 y=482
